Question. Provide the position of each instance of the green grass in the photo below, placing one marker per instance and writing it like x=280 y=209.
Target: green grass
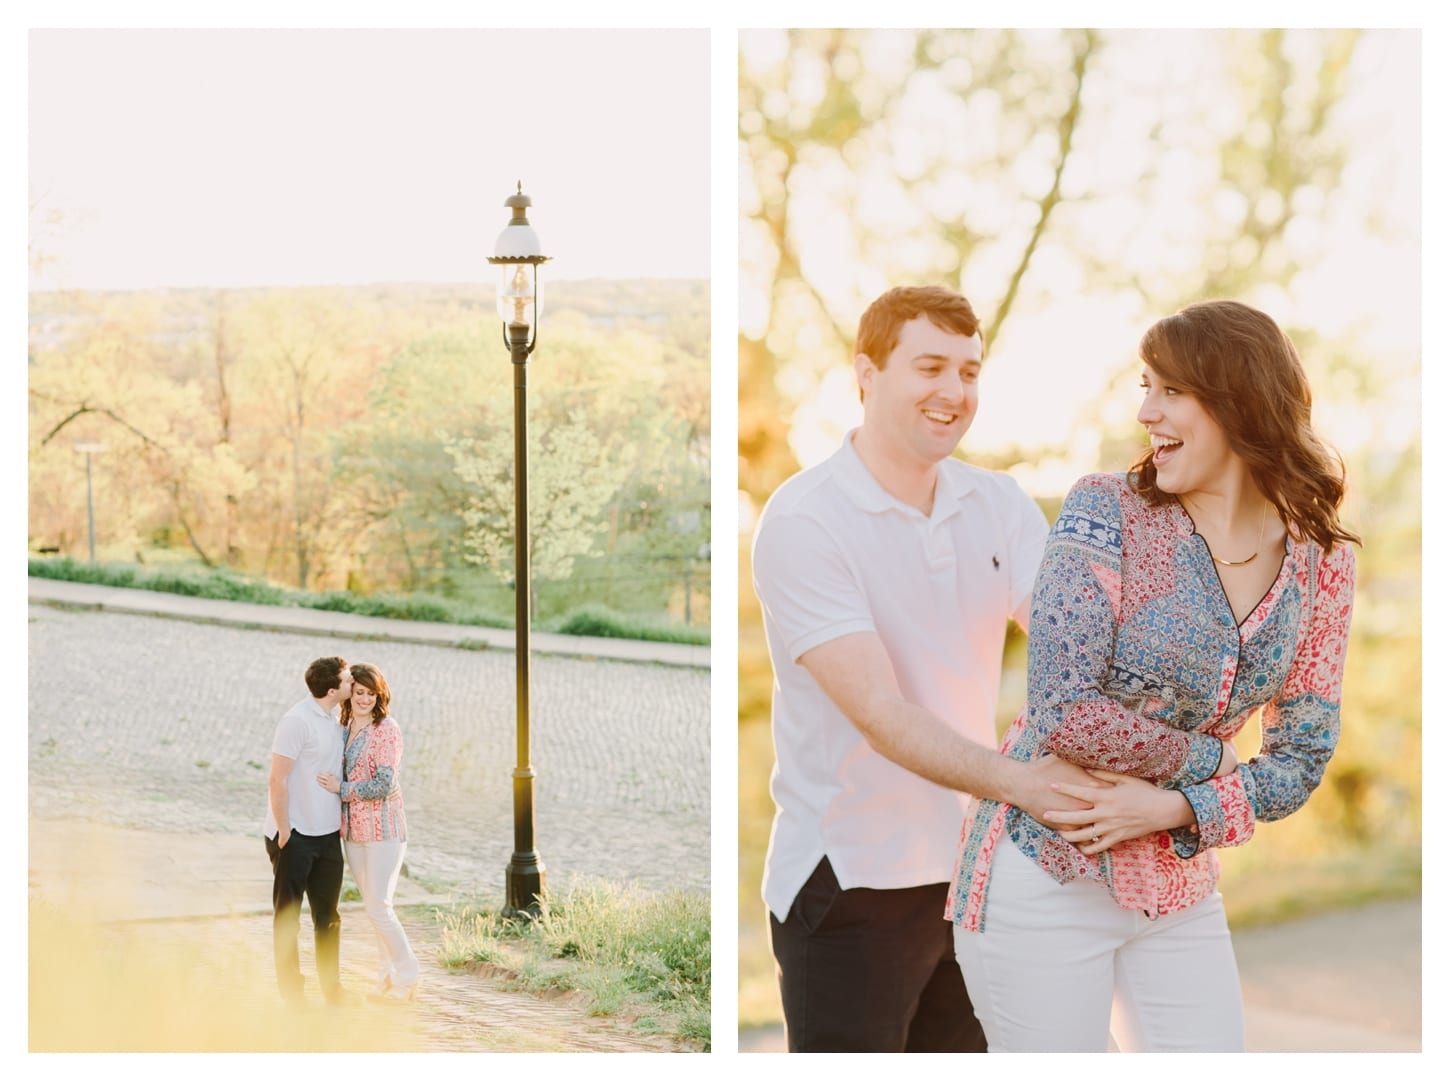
x=1270 y=880
x=587 y=620
x=597 y=621
x=642 y=956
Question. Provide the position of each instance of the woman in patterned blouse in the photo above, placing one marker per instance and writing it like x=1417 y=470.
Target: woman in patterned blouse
x=1211 y=583
x=374 y=829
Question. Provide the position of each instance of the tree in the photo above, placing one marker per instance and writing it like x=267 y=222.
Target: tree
x=103 y=383
x=852 y=185
x=581 y=402
x=306 y=434
x=308 y=363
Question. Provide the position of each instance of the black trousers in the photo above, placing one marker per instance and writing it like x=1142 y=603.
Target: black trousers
x=871 y=970
x=310 y=866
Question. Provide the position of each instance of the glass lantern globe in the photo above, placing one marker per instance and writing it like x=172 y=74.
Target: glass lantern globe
x=518 y=293
x=517 y=254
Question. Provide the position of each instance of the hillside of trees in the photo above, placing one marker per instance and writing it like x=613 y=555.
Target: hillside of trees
x=361 y=438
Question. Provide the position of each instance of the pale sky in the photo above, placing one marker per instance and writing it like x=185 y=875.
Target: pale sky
x=298 y=157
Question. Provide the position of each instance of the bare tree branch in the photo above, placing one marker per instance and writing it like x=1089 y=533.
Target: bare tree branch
x=83 y=409
x=1066 y=127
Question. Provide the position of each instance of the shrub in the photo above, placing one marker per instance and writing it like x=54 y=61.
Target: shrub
x=588 y=620
x=66 y=569
x=597 y=621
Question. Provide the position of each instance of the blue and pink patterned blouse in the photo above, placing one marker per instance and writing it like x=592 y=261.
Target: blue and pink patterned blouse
x=1136 y=665
x=372 y=800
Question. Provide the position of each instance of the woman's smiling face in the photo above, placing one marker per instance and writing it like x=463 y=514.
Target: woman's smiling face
x=363 y=699
x=1190 y=450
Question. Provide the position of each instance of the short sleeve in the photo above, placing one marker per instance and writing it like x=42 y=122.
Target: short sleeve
x=807 y=587
x=291 y=737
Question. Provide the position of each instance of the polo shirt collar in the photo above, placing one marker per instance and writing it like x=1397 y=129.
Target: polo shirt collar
x=866 y=492
x=317 y=708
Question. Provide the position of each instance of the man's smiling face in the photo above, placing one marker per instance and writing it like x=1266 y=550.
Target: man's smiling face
x=923 y=399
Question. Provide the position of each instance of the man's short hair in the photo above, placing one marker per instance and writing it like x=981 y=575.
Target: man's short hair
x=881 y=323
x=324 y=674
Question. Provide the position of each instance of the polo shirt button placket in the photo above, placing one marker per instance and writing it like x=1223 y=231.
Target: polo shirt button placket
x=941 y=553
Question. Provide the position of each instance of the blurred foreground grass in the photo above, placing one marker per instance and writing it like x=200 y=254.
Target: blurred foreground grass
x=115 y=964
x=97 y=986
x=102 y=977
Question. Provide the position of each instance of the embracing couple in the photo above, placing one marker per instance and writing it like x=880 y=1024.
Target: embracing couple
x=334 y=785
x=928 y=892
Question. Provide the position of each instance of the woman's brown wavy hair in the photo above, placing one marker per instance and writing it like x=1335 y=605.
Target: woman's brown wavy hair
x=1246 y=373
x=373 y=680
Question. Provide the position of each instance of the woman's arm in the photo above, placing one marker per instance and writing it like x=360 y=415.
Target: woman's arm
x=383 y=754
x=1075 y=611
x=1300 y=729
x=1300 y=725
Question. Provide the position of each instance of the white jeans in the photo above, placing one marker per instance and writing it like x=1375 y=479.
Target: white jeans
x=1058 y=966
x=375 y=867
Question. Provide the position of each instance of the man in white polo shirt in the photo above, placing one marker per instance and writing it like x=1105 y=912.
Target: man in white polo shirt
x=886 y=577
x=303 y=828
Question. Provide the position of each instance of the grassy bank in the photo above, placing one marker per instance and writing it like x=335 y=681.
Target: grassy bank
x=643 y=958
x=587 y=620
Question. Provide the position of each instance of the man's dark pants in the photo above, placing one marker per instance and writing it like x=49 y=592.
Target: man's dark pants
x=871 y=970
x=310 y=866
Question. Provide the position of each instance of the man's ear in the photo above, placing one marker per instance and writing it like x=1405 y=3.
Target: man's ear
x=865 y=372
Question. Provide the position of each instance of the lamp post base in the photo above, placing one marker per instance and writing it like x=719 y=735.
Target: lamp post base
x=523 y=886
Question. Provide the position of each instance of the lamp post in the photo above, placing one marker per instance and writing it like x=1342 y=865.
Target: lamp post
x=88 y=449
x=518 y=255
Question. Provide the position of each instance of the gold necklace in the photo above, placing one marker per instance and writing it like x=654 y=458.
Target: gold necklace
x=1263 y=521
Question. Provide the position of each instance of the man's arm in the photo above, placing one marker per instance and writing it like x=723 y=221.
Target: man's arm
x=855 y=672
x=277 y=793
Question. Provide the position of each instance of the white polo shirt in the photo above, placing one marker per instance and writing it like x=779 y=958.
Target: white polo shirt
x=312 y=738
x=834 y=554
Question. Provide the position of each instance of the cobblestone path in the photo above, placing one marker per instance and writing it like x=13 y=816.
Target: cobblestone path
x=167 y=725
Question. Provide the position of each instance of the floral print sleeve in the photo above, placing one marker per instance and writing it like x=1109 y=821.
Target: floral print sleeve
x=1300 y=724
x=383 y=743
x=1075 y=612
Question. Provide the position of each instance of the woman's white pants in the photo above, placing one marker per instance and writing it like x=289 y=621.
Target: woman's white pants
x=1058 y=966
x=375 y=868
